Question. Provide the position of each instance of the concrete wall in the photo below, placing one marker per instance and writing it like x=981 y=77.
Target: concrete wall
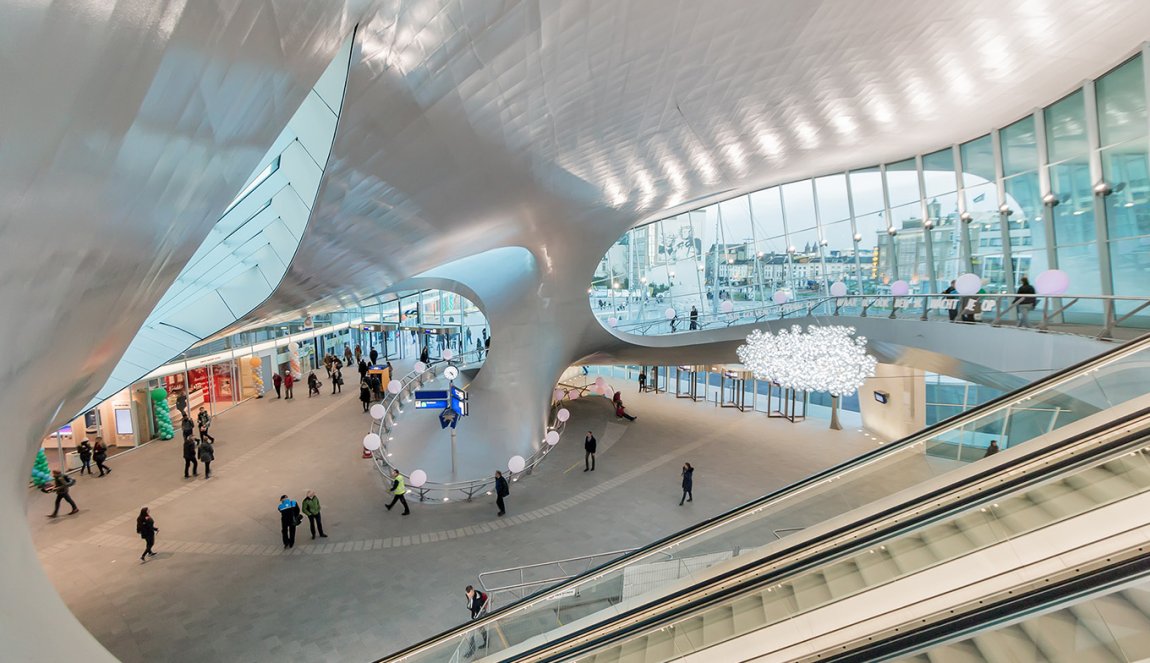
x=904 y=412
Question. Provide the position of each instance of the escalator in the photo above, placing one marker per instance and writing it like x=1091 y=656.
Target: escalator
x=800 y=613
x=1048 y=412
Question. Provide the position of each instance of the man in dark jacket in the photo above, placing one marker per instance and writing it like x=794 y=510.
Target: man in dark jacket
x=289 y=520
x=1025 y=304
x=188 y=428
x=589 y=446
x=205 y=422
x=207 y=454
x=60 y=484
x=182 y=403
x=501 y=490
x=190 y=457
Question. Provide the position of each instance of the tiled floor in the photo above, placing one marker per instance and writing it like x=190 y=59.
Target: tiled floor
x=223 y=588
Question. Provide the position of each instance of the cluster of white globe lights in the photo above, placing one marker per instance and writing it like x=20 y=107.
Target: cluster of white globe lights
x=824 y=358
x=1049 y=282
x=418 y=478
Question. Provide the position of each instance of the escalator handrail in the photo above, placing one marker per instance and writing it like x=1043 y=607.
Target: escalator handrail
x=1131 y=347
x=661 y=612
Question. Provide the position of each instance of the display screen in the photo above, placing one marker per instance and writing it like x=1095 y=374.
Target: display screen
x=124 y=421
x=881 y=396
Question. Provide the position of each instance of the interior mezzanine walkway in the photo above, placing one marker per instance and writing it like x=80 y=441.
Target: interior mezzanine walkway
x=222 y=588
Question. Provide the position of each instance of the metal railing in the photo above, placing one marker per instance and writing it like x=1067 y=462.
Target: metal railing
x=520 y=581
x=1099 y=316
x=435 y=491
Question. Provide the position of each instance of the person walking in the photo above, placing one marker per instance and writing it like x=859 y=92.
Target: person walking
x=276 y=382
x=207 y=453
x=688 y=483
x=589 y=446
x=674 y=321
x=61 y=483
x=190 y=458
x=289 y=380
x=642 y=380
x=1025 y=304
x=398 y=489
x=290 y=519
x=188 y=427
x=85 y=452
x=312 y=385
x=694 y=318
x=205 y=422
x=311 y=510
x=373 y=356
x=358 y=354
x=952 y=301
x=182 y=403
x=99 y=455
x=336 y=381
x=347 y=354
x=146 y=528
x=501 y=490
x=424 y=355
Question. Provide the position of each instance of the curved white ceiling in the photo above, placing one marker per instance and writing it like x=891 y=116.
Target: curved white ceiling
x=557 y=125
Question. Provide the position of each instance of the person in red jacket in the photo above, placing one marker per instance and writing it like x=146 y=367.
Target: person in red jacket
x=289 y=380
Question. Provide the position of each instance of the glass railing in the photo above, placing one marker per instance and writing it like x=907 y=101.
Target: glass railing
x=1110 y=379
x=988 y=515
x=1055 y=314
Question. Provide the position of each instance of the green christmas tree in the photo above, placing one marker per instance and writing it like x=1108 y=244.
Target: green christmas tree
x=163 y=414
x=41 y=474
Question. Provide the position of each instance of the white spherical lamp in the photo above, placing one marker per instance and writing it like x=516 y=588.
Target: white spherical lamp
x=613 y=321
x=378 y=411
x=900 y=288
x=552 y=437
x=418 y=478
x=670 y=312
x=516 y=464
x=563 y=414
x=448 y=355
x=780 y=297
x=372 y=441
x=419 y=367
x=838 y=289
x=394 y=386
x=968 y=284
x=1052 y=282
x=727 y=306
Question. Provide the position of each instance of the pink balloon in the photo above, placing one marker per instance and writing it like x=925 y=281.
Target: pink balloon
x=573 y=394
x=557 y=395
x=900 y=288
x=1052 y=282
x=600 y=381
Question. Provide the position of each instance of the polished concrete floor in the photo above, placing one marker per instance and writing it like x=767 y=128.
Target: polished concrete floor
x=223 y=589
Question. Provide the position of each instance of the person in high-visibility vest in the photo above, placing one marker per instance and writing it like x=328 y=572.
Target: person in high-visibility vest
x=399 y=489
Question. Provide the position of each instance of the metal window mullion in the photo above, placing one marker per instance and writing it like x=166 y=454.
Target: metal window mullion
x=964 y=250
x=1101 y=228
x=787 y=265
x=1045 y=187
x=927 y=232
x=820 y=235
x=854 y=233
x=1003 y=219
x=889 y=218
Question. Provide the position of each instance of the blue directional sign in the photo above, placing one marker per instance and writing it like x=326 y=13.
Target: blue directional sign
x=448 y=417
x=426 y=399
x=459 y=401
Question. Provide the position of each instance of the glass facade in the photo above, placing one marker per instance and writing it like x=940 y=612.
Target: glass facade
x=1067 y=187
